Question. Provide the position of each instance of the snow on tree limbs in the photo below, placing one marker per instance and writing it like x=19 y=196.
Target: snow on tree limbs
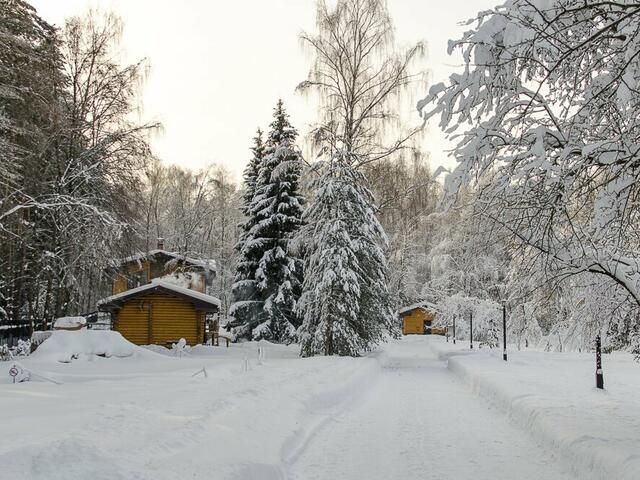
x=269 y=274
x=550 y=89
x=345 y=302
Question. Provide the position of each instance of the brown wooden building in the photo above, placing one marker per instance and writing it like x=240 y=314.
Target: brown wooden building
x=159 y=297
x=160 y=313
x=142 y=268
x=417 y=319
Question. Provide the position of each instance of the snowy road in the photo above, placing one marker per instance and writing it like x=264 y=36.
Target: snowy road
x=400 y=414
x=421 y=422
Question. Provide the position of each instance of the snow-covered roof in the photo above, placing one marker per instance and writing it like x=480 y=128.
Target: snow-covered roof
x=423 y=305
x=157 y=283
x=209 y=265
x=70 y=322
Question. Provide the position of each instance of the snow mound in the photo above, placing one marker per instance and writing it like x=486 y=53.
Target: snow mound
x=65 y=346
x=70 y=322
x=40 y=336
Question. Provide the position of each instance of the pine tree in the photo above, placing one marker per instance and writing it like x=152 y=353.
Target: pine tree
x=345 y=301
x=247 y=304
x=251 y=173
x=267 y=308
x=277 y=206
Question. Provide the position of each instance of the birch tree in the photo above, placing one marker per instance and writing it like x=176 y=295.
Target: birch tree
x=545 y=113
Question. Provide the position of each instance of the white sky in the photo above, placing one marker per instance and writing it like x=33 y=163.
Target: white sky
x=219 y=66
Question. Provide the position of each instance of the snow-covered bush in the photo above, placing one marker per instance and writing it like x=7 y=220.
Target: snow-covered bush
x=22 y=349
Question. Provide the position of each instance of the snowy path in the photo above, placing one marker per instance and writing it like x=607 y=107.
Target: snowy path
x=423 y=423
x=400 y=415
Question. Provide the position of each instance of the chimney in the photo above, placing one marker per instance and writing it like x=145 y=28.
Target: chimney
x=160 y=243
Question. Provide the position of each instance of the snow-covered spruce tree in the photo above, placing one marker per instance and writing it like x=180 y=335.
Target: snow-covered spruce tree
x=276 y=215
x=247 y=304
x=345 y=303
x=277 y=206
x=359 y=75
x=251 y=172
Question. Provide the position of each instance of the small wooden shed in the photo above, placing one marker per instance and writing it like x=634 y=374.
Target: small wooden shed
x=417 y=319
x=160 y=313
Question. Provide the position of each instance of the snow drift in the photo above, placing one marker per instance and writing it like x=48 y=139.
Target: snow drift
x=65 y=346
x=551 y=396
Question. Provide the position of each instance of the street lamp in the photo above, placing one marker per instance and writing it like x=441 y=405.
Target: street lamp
x=501 y=296
x=454 y=328
x=599 y=375
x=504 y=331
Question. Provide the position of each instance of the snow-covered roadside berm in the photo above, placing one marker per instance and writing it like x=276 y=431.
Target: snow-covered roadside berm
x=553 y=396
x=146 y=417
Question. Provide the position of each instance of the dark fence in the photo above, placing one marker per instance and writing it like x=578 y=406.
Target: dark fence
x=11 y=334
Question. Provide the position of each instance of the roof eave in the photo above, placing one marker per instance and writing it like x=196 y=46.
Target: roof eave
x=117 y=303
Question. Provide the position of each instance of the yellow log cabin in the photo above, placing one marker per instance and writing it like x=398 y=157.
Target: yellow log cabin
x=417 y=320
x=158 y=298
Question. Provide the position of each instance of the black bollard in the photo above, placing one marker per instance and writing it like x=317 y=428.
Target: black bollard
x=599 y=376
x=471 y=330
x=504 y=332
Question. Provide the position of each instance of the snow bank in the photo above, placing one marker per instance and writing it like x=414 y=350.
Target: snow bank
x=65 y=346
x=552 y=396
x=40 y=336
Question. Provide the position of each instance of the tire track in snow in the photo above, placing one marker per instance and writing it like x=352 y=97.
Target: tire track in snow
x=422 y=423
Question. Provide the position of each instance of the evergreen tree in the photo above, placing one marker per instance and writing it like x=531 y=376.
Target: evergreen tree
x=345 y=303
x=277 y=206
x=251 y=173
x=269 y=291
x=247 y=304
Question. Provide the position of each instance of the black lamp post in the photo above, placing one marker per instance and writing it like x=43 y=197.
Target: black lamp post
x=454 y=329
x=471 y=330
x=599 y=375
x=504 y=332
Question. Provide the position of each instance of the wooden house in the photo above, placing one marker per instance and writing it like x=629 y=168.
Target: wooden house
x=142 y=268
x=417 y=319
x=158 y=298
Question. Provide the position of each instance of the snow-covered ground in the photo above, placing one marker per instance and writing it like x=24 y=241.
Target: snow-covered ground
x=553 y=397
x=146 y=417
x=419 y=422
x=404 y=412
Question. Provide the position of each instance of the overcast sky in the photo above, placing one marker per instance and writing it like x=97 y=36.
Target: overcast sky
x=218 y=66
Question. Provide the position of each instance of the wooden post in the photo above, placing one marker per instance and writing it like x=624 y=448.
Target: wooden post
x=599 y=375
